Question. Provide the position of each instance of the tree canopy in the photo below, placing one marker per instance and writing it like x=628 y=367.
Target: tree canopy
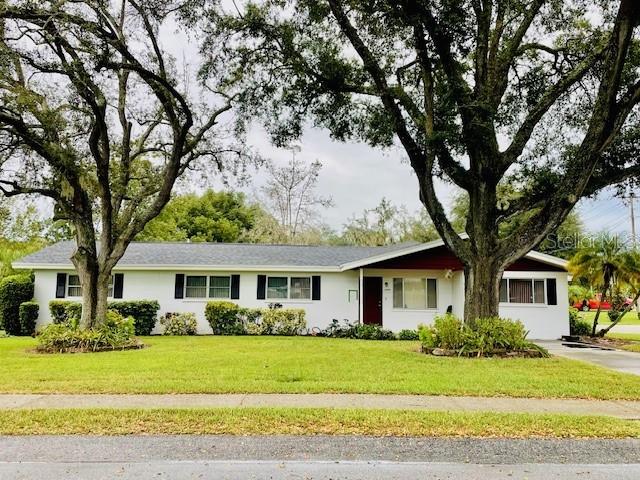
x=537 y=97
x=97 y=116
x=209 y=217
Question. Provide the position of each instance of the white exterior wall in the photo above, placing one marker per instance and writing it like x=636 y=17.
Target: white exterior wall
x=397 y=319
x=160 y=285
x=543 y=321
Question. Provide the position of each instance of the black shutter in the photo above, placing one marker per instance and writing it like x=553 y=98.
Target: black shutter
x=262 y=286
x=179 y=285
x=235 y=287
x=315 y=287
x=61 y=285
x=118 y=285
x=552 y=294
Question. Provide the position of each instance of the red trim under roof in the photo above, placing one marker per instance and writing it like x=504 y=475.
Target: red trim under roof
x=441 y=258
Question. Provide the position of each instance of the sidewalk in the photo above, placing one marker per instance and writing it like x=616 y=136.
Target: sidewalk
x=616 y=408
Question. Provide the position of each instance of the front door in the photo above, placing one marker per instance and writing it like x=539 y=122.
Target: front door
x=372 y=300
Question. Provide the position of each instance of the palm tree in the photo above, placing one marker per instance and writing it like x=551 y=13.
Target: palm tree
x=629 y=276
x=600 y=264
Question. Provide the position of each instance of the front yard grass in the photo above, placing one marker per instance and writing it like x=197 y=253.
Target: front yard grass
x=308 y=421
x=631 y=318
x=634 y=338
x=299 y=365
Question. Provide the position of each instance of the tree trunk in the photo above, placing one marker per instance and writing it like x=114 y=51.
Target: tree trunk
x=595 y=319
x=626 y=310
x=482 y=287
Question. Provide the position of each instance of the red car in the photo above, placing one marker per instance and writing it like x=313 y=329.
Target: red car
x=592 y=304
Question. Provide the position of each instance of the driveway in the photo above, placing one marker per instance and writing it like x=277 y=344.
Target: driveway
x=627 y=362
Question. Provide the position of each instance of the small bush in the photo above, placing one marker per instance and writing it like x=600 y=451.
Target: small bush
x=408 y=335
x=28 y=317
x=116 y=332
x=179 y=323
x=224 y=318
x=63 y=311
x=358 y=331
x=283 y=321
x=144 y=312
x=577 y=326
x=484 y=337
x=14 y=290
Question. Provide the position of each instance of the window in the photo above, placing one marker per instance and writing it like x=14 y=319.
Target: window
x=196 y=287
x=292 y=288
x=277 y=287
x=219 y=287
x=300 y=288
x=75 y=289
x=110 y=288
x=517 y=290
x=415 y=293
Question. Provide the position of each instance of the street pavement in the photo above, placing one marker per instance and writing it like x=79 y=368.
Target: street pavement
x=314 y=457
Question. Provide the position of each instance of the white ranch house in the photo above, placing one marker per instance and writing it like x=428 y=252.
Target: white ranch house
x=397 y=286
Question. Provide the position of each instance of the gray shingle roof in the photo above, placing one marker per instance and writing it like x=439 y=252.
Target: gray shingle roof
x=220 y=254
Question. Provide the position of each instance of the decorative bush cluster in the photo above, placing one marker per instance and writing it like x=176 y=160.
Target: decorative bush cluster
x=227 y=318
x=179 y=323
x=14 y=290
x=576 y=325
x=145 y=312
x=63 y=311
x=28 y=317
x=358 y=331
x=484 y=337
x=115 y=333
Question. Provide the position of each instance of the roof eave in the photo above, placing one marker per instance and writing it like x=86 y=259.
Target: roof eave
x=190 y=268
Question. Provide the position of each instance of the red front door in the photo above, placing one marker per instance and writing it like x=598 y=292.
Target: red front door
x=372 y=300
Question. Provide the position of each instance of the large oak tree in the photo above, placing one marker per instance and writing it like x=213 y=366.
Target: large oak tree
x=537 y=98
x=98 y=117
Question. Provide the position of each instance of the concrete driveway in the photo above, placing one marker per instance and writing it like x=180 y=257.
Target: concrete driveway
x=627 y=362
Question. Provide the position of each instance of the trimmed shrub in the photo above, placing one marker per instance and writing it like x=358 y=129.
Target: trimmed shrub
x=484 y=337
x=144 y=312
x=224 y=318
x=115 y=333
x=577 y=326
x=283 y=321
x=14 y=290
x=28 y=317
x=358 y=331
x=179 y=323
x=63 y=311
x=408 y=335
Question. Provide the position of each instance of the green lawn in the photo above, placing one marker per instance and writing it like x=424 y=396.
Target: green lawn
x=299 y=365
x=303 y=421
x=633 y=337
x=631 y=318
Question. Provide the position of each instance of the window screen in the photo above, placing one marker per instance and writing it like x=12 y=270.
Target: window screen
x=300 y=287
x=219 y=287
x=277 y=287
x=196 y=287
x=74 y=288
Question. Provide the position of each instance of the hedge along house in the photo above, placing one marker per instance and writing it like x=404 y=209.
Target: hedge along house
x=397 y=286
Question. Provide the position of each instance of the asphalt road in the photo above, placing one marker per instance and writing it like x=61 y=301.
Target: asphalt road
x=315 y=457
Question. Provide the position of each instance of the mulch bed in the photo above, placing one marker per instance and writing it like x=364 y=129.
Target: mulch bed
x=137 y=345
x=442 y=352
x=607 y=342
